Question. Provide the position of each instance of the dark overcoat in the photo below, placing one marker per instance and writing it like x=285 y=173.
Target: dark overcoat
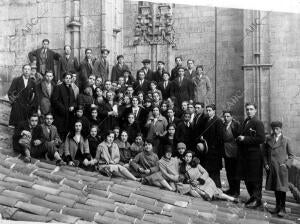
x=62 y=98
x=250 y=159
x=212 y=160
x=101 y=68
x=118 y=71
x=67 y=65
x=279 y=156
x=86 y=69
x=183 y=91
x=23 y=100
x=168 y=91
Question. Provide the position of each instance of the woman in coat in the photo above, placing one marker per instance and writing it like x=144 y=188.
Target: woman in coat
x=76 y=147
x=108 y=158
x=278 y=157
x=156 y=127
x=201 y=184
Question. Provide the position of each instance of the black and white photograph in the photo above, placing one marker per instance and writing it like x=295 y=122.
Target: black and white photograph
x=149 y=112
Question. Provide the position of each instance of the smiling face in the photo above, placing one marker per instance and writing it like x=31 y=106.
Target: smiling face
x=148 y=147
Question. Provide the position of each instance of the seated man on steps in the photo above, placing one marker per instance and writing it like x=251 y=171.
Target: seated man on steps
x=29 y=139
x=52 y=140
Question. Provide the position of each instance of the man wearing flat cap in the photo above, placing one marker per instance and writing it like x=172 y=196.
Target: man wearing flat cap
x=147 y=69
x=101 y=67
x=118 y=68
x=158 y=74
x=278 y=158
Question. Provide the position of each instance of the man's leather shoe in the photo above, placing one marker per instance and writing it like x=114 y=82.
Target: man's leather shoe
x=255 y=204
x=281 y=213
x=250 y=200
x=274 y=211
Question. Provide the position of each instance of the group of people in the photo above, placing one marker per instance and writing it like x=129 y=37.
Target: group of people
x=160 y=129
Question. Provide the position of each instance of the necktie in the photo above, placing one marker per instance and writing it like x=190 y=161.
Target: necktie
x=165 y=85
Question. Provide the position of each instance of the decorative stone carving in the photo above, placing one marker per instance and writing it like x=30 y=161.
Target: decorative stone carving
x=154 y=25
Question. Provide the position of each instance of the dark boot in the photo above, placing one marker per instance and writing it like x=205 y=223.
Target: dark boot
x=282 y=211
x=278 y=201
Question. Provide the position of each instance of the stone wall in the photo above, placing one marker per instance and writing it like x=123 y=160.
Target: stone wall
x=285 y=78
x=25 y=23
x=195 y=39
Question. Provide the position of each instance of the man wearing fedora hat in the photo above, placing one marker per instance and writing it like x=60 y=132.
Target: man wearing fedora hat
x=101 y=67
x=118 y=68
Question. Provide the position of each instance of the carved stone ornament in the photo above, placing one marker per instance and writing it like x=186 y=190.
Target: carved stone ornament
x=154 y=25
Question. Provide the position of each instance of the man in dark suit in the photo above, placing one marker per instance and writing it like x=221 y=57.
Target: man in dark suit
x=63 y=103
x=29 y=139
x=212 y=160
x=174 y=71
x=190 y=72
x=171 y=117
x=184 y=131
x=147 y=70
x=128 y=78
x=44 y=57
x=22 y=96
x=67 y=63
x=250 y=158
x=183 y=87
x=44 y=92
x=119 y=68
x=101 y=67
x=139 y=112
x=86 y=69
x=231 y=131
x=166 y=86
x=141 y=84
x=158 y=74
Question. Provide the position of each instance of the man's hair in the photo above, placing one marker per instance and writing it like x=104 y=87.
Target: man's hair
x=48 y=114
x=178 y=57
x=199 y=103
x=88 y=49
x=46 y=40
x=67 y=45
x=25 y=66
x=33 y=115
x=190 y=60
x=120 y=56
x=227 y=112
x=212 y=106
x=251 y=104
x=49 y=71
x=200 y=66
x=141 y=70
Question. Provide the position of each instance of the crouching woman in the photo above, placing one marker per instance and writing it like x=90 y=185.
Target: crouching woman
x=108 y=158
x=201 y=184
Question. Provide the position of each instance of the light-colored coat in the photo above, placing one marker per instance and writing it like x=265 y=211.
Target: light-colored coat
x=279 y=156
x=104 y=157
x=202 y=89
